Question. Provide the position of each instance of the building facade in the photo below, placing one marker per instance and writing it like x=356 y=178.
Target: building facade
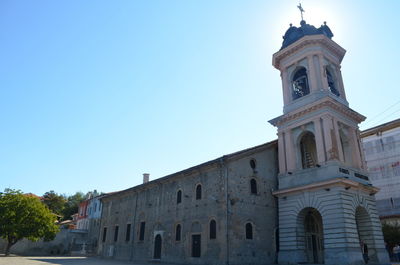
x=219 y=211
x=382 y=154
x=82 y=222
x=304 y=199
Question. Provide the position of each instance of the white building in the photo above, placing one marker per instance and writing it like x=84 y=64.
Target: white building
x=382 y=154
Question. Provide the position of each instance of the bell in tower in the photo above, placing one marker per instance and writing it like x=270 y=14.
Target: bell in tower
x=327 y=209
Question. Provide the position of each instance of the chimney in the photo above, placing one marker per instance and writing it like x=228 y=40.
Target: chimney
x=146 y=177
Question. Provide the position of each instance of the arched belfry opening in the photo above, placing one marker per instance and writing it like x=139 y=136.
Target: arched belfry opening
x=300 y=85
x=332 y=83
x=308 y=150
x=310 y=235
x=365 y=236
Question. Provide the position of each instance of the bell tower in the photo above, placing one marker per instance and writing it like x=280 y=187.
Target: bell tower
x=327 y=209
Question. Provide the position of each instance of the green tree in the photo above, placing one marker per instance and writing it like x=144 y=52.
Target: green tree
x=72 y=204
x=391 y=234
x=55 y=202
x=24 y=216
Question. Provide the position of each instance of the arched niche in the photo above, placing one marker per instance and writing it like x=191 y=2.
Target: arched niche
x=307 y=150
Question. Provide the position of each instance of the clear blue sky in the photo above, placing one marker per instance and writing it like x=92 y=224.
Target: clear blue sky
x=95 y=93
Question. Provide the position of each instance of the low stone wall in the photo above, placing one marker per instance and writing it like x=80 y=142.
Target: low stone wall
x=66 y=242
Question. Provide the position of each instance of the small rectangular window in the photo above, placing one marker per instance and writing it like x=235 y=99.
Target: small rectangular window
x=128 y=232
x=379 y=146
x=396 y=168
x=141 y=231
x=390 y=143
x=116 y=233
x=368 y=148
x=104 y=234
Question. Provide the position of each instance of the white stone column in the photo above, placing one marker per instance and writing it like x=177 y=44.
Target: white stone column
x=324 y=81
x=330 y=143
x=319 y=141
x=360 y=147
x=287 y=91
x=356 y=152
x=312 y=75
x=337 y=136
x=281 y=152
x=290 y=151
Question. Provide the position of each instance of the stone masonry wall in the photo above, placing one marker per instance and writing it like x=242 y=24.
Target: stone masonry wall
x=155 y=203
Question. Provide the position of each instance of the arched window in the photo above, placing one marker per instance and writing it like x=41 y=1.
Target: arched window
x=253 y=164
x=300 y=86
x=198 y=192
x=253 y=186
x=178 y=233
x=179 y=197
x=308 y=150
x=249 y=231
x=331 y=83
x=213 y=229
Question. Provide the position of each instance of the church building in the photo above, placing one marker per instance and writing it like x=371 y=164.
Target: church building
x=304 y=198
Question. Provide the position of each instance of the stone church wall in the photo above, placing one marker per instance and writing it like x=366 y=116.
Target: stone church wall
x=155 y=203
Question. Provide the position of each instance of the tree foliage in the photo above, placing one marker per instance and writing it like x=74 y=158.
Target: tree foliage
x=391 y=234
x=72 y=204
x=25 y=216
x=62 y=205
x=55 y=202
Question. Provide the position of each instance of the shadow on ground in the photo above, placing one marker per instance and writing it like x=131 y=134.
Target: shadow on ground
x=64 y=260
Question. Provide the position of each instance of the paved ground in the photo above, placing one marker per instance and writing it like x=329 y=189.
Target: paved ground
x=15 y=260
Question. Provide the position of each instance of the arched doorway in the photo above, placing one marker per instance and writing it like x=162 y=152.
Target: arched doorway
x=308 y=150
x=311 y=233
x=157 y=246
x=365 y=236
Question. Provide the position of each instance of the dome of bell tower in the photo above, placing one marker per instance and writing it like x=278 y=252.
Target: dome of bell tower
x=295 y=33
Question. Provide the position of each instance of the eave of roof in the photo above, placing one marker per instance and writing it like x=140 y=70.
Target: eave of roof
x=380 y=128
x=230 y=156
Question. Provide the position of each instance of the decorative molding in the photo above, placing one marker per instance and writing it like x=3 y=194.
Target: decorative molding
x=308 y=41
x=326 y=103
x=329 y=183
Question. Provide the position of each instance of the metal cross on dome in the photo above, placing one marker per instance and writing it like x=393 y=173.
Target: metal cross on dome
x=301 y=10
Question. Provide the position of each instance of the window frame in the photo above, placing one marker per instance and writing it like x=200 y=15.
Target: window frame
x=116 y=233
x=212 y=229
x=249 y=231
x=142 y=230
x=198 y=192
x=178 y=233
x=253 y=186
x=128 y=232
x=104 y=234
x=179 y=196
